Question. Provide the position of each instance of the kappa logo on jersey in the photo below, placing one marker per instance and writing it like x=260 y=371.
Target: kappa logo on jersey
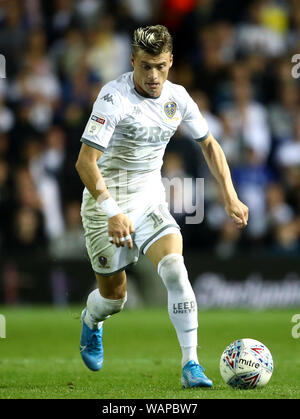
x=170 y=109
x=108 y=98
x=136 y=111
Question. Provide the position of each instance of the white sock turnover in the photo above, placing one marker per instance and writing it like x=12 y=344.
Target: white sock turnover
x=100 y=308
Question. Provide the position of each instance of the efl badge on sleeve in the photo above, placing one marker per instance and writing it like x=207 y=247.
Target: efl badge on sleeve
x=170 y=109
x=95 y=124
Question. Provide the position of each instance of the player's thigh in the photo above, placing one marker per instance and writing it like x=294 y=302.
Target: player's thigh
x=112 y=286
x=170 y=243
x=108 y=261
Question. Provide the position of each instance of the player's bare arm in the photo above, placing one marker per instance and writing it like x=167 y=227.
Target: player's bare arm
x=218 y=166
x=119 y=226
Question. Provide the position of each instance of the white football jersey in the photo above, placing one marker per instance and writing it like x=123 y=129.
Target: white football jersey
x=133 y=131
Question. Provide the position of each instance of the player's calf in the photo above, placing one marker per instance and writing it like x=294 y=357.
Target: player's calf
x=182 y=305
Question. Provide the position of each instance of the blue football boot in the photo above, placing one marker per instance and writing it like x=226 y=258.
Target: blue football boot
x=193 y=376
x=91 y=348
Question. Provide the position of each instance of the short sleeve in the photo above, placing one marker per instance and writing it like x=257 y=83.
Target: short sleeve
x=105 y=115
x=193 y=121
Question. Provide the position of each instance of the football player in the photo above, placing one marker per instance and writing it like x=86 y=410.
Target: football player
x=124 y=210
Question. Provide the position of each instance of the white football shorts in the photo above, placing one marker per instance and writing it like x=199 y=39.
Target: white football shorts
x=151 y=222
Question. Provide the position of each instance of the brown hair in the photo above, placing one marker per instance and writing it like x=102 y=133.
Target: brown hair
x=152 y=39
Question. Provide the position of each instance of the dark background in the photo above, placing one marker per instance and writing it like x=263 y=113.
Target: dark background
x=234 y=58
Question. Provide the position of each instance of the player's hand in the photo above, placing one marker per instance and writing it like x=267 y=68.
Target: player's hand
x=120 y=229
x=238 y=212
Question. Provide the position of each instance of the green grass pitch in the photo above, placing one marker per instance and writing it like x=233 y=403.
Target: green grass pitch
x=40 y=358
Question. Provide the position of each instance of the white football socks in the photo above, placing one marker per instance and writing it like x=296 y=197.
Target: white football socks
x=189 y=353
x=182 y=305
x=100 y=308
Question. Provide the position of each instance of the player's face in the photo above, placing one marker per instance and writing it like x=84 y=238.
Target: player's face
x=151 y=71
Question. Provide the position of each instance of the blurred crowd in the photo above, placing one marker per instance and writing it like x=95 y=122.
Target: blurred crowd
x=235 y=59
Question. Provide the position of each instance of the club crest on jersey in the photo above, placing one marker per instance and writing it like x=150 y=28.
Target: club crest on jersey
x=170 y=109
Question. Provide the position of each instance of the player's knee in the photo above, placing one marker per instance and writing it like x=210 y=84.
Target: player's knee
x=173 y=272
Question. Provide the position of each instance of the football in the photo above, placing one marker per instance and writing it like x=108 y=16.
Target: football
x=246 y=364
